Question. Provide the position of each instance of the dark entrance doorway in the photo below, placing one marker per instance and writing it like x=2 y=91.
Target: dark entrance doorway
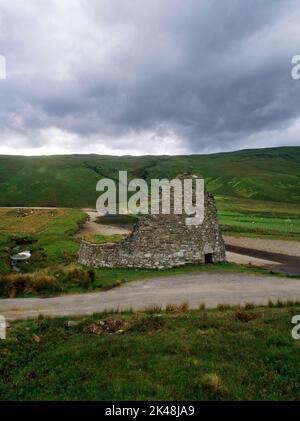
x=209 y=258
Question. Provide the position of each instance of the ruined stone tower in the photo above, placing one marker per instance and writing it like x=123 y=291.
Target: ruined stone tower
x=162 y=241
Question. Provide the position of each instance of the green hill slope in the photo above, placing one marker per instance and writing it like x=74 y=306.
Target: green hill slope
x=262 y=174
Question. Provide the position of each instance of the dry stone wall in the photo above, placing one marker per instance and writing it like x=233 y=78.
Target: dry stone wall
x=161 y=241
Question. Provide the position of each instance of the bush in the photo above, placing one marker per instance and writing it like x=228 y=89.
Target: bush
x=177 y=308
x=212 y=383
x=78 y=277
x=22 y=283
x=46 y=280
x=244 y=316
x=223 y=306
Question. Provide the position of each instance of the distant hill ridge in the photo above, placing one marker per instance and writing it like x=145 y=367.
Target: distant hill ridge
x=70 y=180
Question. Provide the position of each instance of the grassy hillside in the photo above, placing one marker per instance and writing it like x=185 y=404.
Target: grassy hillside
x=261 y=174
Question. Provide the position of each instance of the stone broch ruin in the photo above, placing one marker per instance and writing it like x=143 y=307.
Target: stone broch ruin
x=161 y=241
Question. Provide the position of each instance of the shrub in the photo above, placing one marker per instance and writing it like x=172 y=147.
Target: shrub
x=91 y=275
x=46 y=280
x=153 y=309
x=213 y=384
x=22 y=283
x=42 y=281
x=148 y=324
x=177 y=308
x=249 y=306
x=223 y=306
x=77 y=276
x=244 y=316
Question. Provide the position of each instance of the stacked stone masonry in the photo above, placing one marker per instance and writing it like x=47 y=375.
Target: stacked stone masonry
x=161 y=241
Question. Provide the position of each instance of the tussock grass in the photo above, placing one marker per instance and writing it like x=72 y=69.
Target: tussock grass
x=153 y=309
x=177 y=308
x=26 y=283
x=280 y=303
x=244 y=316
x=48 y=280
x=248 y=306
x=213 y=384
x=223 y=306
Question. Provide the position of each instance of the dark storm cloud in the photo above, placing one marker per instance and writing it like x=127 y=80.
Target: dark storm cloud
x=148 y=76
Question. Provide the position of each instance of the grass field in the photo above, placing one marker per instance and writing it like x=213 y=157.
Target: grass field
x=50 y=235
x=51 y=231
x=119 y=220
x=223 y=354
x=259 y=218
x=101 y=239
x=70 y=181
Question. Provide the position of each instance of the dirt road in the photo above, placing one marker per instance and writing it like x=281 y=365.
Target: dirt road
x=209 y=288
x=92 y=227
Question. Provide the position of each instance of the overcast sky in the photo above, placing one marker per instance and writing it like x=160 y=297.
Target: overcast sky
x=148 y=76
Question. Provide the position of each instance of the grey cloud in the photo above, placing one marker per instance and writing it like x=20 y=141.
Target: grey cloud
x=113 y=75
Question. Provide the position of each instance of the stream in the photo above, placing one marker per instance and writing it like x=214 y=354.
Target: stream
x=20 y=254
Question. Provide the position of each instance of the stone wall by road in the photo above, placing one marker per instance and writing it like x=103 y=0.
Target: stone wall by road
x=161 y=241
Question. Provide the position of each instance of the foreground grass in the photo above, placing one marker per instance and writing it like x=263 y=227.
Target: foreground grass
x=173 y=354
